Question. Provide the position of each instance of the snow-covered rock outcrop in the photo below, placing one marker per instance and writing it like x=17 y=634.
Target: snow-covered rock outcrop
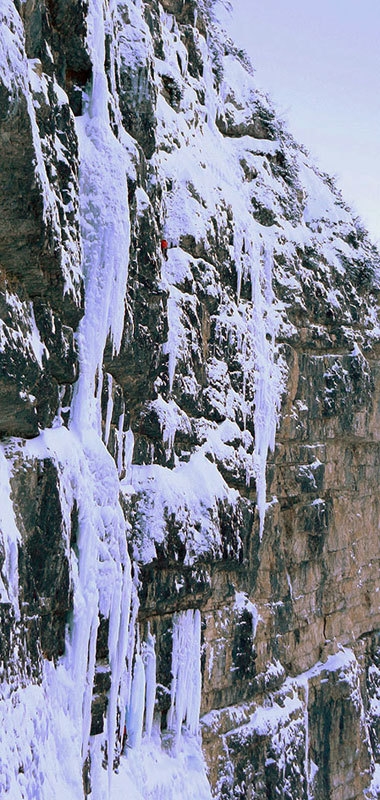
x=190 y=445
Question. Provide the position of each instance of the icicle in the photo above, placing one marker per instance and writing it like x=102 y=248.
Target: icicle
x=117 y=645
x=135 y=716
x=99 y=390
x=239 y=279
x=175 y=714
x=129 y=443
x=128 y=636
x=239 y=242
x=120 y=444
x=131 y=641
x=87 y=698
x=109 y=413
x=149 y=659
x=80 y=655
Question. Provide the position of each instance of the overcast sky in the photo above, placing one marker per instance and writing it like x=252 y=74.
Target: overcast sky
x=320 y=62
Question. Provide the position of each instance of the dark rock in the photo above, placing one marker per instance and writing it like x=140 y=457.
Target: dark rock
x=44 y=570
x=335 y=739
x=59 y=340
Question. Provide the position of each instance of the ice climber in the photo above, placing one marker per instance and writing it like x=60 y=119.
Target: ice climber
x=164 y=249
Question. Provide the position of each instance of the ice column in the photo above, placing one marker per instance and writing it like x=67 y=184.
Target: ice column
x=103 y=582
x=105 y=228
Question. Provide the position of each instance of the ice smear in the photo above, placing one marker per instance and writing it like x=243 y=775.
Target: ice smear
x=171 y=418
x=176 y=342
x=191 y=492
x=243 y=603
x=269 y=374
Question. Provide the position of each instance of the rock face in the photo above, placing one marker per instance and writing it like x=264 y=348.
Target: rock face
x=189 y=502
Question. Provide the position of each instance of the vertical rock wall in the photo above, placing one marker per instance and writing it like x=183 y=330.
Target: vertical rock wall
x=190 y=447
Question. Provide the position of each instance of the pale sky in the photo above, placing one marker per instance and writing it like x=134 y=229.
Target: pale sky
x=320 y=63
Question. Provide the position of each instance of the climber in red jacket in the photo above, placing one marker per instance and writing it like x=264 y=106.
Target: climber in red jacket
x=164 y=249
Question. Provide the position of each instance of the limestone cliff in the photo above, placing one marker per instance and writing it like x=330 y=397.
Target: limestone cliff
x=189 y=515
